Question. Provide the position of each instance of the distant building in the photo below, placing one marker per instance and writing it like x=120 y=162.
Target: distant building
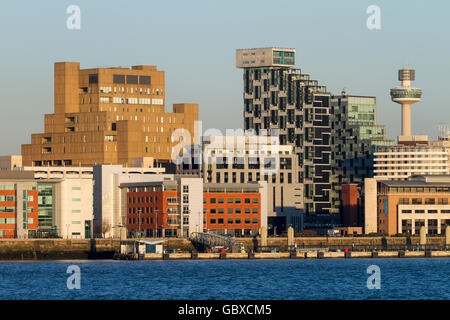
x=108 y=116
x=235 y=159
x=18 y=204
x=284 y=102
x=176 y=208
x=355 y=138
x=54 y=207
x=404 y=206
x=403 y=161
x=109 y=203
x=10 y=162
x=352 y=206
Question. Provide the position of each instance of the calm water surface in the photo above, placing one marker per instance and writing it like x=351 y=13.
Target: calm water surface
x=237 y=279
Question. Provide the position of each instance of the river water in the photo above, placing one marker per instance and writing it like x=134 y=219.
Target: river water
x=404 y=278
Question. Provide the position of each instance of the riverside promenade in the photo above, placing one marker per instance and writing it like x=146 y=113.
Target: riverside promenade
x=255 y=248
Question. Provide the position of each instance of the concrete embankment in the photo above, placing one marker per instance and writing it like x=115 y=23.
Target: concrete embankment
x=298 y=255
x=57 y=249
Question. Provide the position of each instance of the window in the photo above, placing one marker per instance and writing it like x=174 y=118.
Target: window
x=230 y=210
x=230 y=200
x=221 y=210
x=403 y=201
x=238 y=210
x=443 y=201
x=118 y=78
x=247 y=210
x=237 y=200
x=238 y=221
x=230 y=221
x=144 y=80
x=220 y=200
x=220 y=221
x=255 y=210
x=247 y=200
x=430 y=201
x=416 y=201
x=131 y=79
x=212 y=221
x=212 y=200
x=212 y=210
x=255 y=200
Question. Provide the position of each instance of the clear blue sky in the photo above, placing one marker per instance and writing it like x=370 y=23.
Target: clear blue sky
x=195 y=42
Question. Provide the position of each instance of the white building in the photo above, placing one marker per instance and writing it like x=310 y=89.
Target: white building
x=109 y=202
x=401 y=162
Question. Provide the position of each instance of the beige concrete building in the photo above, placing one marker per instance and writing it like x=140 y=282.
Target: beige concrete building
x=239 y=159
x=108 y=116
x=407 y=205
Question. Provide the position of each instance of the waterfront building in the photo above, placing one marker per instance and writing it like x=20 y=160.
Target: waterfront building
x=404 y=206
x=64 y=198
x=109 y=204
x=65 y=207
x=402 y=161
x=108 y=116
x=283 y=101
x=246 y=159
x=355 y=138
x=176 y=208
x=18 y=204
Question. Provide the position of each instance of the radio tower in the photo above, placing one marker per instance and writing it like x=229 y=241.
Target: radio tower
x=406 y=95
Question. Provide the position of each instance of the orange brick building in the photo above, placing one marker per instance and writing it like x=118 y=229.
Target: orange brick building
x=351 y=206
x=184 y=205
x=108 y=116
x=232 y=213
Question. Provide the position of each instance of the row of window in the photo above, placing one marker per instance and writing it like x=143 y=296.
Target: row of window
x=232 y=210
x=422 y=201
x=421 y=211
x=231 y=200
x=233 y=221
x=143 y=210
x=250 y=177
x=148 y=199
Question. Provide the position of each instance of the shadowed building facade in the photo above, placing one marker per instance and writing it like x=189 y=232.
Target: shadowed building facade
x=108 y=116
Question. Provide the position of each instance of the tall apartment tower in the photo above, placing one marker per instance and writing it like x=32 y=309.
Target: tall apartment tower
x=280 y=99
x=108 y=116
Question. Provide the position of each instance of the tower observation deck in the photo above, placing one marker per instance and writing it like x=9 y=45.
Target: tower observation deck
x=406 y=95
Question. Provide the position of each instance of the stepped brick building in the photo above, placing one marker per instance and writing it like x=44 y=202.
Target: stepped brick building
x=108 y=116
